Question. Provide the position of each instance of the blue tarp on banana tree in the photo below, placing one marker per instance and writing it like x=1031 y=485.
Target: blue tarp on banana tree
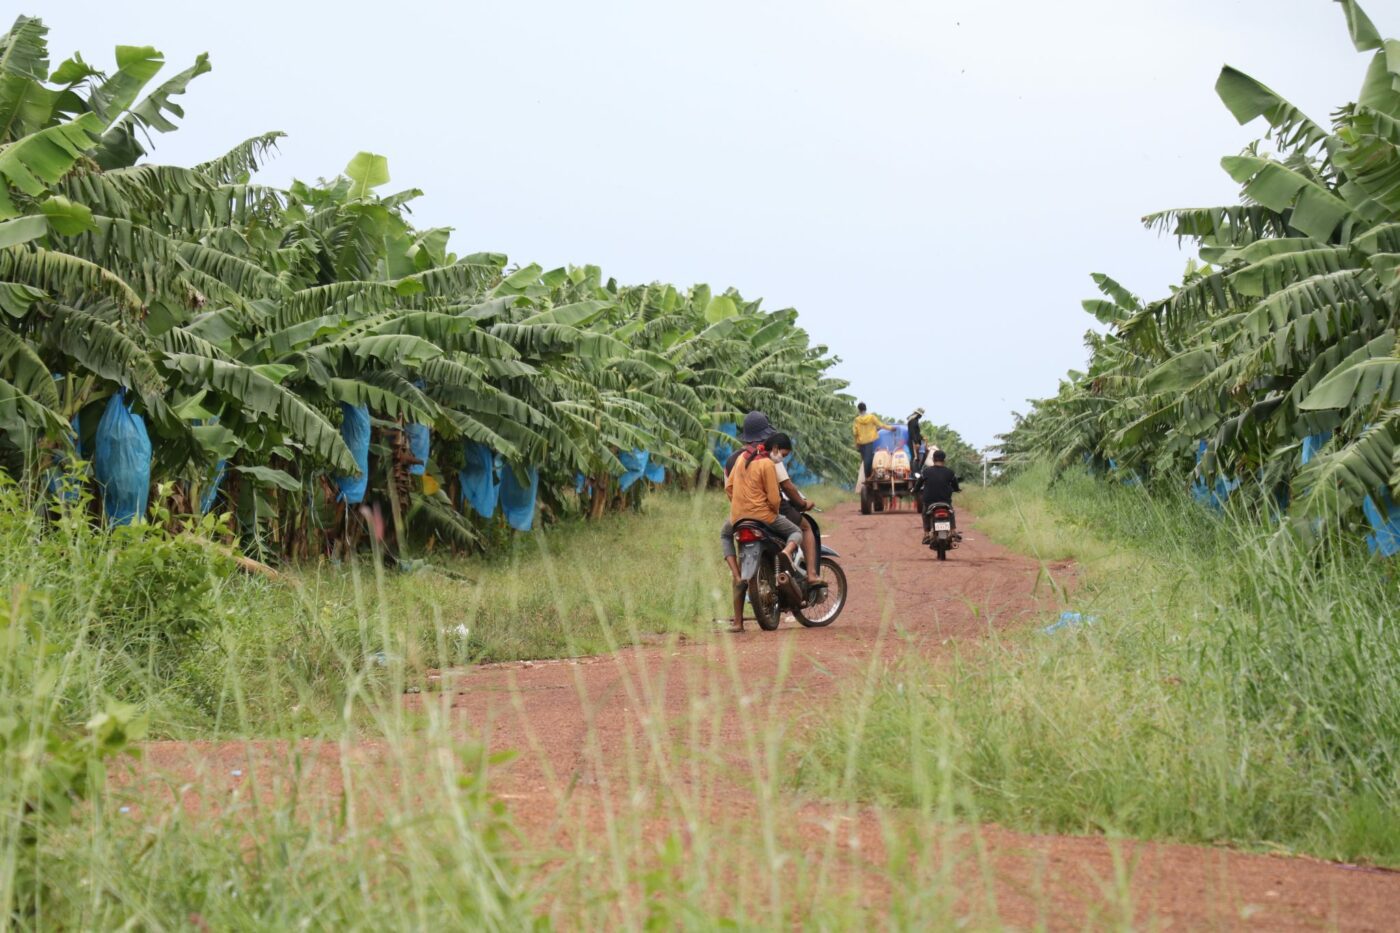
x=420 y=445
x=1313 y=443
x=213 y=481
x=211 y=489
x=799 y=474
x=1384 y=517
x=1385 y=521
x=122 y=461
x=634 y=466
x=1213 y=496
x=354 y=430
x=480 y=476
x=655 y=472
x=723 y=448
x=1127 y=477
x=517 y=501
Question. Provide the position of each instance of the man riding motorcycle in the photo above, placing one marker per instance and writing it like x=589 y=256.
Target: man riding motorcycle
x=754 y=494
x=937 y=483
x=757 y=430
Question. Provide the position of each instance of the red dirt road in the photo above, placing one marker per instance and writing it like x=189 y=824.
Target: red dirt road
x=691 y=738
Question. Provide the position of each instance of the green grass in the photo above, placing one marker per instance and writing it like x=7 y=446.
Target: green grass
x=414 y=839
x=209 y=651
x=1235 y=688
x=1125 y=726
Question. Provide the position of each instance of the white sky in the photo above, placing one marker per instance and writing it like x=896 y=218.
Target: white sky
x=929 y=183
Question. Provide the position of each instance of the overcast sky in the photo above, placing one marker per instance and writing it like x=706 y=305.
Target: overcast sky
x=929 y=183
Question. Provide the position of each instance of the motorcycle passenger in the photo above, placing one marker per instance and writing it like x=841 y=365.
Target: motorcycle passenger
x=794 y=504
x=754 y=494
x=938 y=484
x=866 y=430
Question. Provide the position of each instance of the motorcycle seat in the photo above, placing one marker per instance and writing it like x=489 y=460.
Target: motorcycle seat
x=755 y=523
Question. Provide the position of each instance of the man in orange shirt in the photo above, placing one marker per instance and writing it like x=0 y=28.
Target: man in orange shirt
x=752 y=487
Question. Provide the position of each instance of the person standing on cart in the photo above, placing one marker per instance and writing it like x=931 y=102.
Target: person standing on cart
x=916 y=439
x=867 y=429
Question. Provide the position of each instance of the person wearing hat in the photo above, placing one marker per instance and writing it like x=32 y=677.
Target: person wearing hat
x=756 y=425
x=752 y=484
x=916 y=438
x=867 y=429
x=755 y=430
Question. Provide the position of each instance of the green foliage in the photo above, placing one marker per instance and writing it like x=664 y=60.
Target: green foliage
x=260 y=311
x=159 y=587
x=1285 y=329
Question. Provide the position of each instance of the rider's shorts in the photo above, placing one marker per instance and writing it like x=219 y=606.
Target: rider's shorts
x=782 y=525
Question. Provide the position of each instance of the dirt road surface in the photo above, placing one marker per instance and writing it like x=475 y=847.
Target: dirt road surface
x=691 y=738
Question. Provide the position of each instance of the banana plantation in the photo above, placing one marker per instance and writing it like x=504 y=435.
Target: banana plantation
x=187 y=334
x=1272 y=370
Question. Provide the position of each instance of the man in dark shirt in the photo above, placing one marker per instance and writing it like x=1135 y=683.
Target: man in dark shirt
x=938 y=483
x=916 y=437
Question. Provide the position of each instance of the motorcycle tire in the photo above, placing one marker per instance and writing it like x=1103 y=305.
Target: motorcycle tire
x=864 y=501
x=763 y=596
x=835 y=578
x=942 y=550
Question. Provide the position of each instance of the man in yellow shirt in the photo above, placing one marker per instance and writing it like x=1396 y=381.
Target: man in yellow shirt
x=867 y=429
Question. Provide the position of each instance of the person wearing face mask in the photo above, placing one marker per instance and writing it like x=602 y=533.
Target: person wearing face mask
x=755 y=494
x=794 y=504
x=758 y=430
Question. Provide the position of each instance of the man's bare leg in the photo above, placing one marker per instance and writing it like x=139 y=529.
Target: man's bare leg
x=738 y=625
x=733 y=563
x=809 y=553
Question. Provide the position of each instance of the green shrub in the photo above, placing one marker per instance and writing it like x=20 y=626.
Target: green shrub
x=158 y=589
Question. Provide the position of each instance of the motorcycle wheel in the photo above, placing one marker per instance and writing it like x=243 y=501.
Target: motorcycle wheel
x=763 y=596
x=942 y=549
x=825 y=612
x=864 y=501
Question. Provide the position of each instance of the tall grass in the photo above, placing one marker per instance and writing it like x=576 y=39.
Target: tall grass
x=1224 y=684
x=384 y=819
x=166 y=621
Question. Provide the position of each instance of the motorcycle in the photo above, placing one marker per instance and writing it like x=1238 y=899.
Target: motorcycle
x=777 y=585
x=941 y=538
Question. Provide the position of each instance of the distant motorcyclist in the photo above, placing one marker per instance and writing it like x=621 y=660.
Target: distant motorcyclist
x=937 y=483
